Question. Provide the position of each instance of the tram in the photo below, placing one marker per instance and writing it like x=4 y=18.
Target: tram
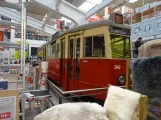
x=89 y=56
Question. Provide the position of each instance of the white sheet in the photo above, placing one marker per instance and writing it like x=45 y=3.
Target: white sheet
x=122 y=104
x=74 y=111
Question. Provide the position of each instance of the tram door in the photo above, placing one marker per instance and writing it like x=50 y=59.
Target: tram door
x=63 y=64
x=74 y=61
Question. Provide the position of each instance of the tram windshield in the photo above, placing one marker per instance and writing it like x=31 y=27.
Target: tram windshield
x=120 y=46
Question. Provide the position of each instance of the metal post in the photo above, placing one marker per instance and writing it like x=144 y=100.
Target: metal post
x=23 y=45
x=142 y=10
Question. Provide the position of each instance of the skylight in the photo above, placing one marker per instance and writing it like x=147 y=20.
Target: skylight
x=89 y=4
x=95 y=1
x=86 y=6
x=132 y=1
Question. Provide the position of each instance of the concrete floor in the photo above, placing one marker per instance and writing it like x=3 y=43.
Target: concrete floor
x=30 y=114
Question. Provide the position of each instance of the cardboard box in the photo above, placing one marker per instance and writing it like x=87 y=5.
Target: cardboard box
x=9 y=104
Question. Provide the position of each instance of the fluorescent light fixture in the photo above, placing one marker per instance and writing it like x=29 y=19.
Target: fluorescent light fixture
x=132 y=1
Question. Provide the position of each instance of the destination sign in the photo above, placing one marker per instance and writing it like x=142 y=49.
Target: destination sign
x=120 y=31
x=119 y=19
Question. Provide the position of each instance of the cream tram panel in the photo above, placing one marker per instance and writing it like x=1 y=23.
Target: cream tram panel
x=94 y=32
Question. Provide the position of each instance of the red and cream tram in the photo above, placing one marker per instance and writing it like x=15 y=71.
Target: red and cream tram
x=89 y=56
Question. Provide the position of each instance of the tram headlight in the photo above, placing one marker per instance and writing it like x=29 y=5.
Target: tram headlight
x=121 y=80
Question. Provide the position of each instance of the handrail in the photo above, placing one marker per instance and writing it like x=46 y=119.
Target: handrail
x=78 y=91
x=75 y=91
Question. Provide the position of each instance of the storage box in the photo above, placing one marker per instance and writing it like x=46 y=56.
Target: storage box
x=3 y=84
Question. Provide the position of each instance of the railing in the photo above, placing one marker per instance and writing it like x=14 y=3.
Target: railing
x=34 y=37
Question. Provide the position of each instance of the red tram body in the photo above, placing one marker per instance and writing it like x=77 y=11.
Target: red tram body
x=78 y=65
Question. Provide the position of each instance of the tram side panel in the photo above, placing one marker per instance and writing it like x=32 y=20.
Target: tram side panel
x=54 y=69
x=97 y=73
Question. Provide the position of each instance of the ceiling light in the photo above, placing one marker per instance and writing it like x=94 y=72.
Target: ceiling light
x=132 y=1
x=95 y=1
x=46 y=15
x=116 y=9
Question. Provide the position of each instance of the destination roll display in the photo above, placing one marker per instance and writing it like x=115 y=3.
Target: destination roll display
x=119 y=31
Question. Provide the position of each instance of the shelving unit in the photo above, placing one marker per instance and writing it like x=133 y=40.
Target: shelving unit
x=18 y=46
x=152 y=12
x=10 y=45
x=10 y=66
x=13 y=45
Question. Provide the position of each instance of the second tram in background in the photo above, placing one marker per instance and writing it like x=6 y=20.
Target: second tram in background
x=89 y=56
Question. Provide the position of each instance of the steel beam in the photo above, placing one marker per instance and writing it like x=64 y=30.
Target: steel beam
x=46 y=18
x=8 y=23
x=65 y=9
x=10 y=45
x=97 y=8
x=10 y=5
x=16 y=16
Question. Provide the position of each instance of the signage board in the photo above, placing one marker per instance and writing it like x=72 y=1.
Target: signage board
x=9 y=105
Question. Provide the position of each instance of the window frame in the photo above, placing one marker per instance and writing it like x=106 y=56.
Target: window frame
x=124 y=55
x=53 y=45
x=84 y=44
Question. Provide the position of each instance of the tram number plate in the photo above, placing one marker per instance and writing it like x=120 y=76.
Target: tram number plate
x=117 y=67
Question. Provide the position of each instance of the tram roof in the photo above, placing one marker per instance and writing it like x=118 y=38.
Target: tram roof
x=90 y=26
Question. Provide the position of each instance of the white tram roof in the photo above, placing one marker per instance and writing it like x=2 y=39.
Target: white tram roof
x=88 y=26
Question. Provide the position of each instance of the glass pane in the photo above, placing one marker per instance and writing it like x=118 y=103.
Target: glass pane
x=98 y=46
x=88 y=47
x=71 y=59
x=78 y=59
x=57 y=51
x=120 y=46
x=127 y=48
x=71 y=48
x=54 y=51
x=63 y=56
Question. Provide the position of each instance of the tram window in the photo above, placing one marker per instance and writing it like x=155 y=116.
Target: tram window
x=88 y=47
x=120 y=46
x=78 y=59
x=94 y=46
x=58 y=50
x=98 y=46
x=54 y=50
x=71 y=59
x=71 y=48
